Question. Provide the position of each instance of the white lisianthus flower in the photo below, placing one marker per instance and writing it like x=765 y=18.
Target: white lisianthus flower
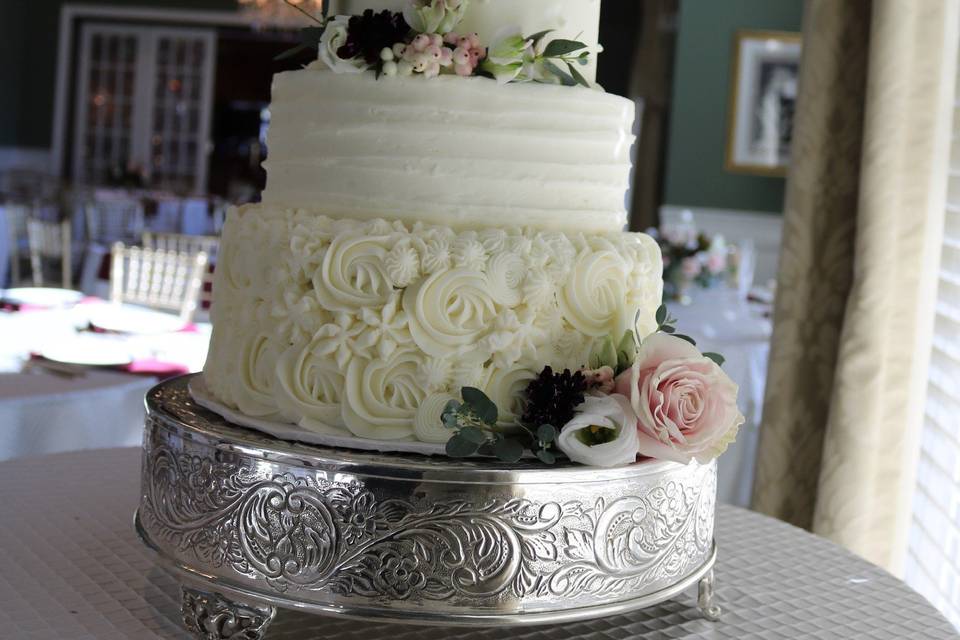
x=434 y=16
x=509 y=56
x=335 y=36
x=602 y=434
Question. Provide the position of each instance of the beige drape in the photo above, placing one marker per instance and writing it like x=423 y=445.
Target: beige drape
x=862 y=230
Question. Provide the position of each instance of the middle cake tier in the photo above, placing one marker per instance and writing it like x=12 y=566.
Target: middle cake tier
x=371 y=327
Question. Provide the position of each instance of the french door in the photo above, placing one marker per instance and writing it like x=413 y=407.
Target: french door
x=144 y=97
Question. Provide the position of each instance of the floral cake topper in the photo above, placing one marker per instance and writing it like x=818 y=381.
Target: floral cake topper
x=658 y=398
x=423 y=40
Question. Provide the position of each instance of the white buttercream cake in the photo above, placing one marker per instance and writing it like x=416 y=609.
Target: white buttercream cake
x=419 y=235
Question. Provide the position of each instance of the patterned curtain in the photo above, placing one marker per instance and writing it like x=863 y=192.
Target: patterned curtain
x=854 y=313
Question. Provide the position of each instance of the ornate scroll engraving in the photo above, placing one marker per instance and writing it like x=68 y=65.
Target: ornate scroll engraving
x=352 y=538
x=209 y=616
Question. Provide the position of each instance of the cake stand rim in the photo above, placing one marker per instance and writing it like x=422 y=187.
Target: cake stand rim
x=224 y=435
x=226 y=587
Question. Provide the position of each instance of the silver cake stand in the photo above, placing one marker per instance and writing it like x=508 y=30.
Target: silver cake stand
x=252 y=524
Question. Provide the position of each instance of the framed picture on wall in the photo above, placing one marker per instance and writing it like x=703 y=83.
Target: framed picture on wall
x=763 y=96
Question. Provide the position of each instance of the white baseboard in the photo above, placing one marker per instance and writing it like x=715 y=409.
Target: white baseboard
x=32 y=158
x=765 y=229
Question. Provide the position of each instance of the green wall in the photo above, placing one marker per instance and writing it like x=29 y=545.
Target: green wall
x=698 y=120
x=29 y=33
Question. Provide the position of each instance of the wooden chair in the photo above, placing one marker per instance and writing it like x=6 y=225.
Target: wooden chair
x=164 y=280
x=50 y=240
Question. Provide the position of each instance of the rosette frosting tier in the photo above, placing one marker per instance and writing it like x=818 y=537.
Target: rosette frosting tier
x=368 y=327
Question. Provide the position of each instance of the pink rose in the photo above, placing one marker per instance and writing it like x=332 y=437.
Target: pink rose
x=686 y=405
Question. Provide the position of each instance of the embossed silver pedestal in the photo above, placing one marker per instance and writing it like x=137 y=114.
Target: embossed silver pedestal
x=252 y=523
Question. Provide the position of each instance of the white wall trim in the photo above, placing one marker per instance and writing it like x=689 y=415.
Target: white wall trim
x=70 y=13
x=765 y=229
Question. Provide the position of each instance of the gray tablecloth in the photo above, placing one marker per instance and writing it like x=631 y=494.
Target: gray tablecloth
x=73 y=568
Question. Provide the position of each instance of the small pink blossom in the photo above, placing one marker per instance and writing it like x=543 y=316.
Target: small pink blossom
x=716 y=263
x=601 y=380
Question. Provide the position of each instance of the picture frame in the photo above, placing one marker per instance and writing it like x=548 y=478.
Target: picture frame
x=763 y=94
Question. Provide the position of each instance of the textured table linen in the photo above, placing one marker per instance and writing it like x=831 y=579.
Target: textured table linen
x=75 y=569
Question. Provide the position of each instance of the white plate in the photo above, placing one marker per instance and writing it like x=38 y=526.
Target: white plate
x=41 y=297
x=121 y=318
x=90 y=351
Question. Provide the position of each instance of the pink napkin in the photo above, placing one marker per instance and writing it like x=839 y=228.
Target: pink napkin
x=155 y=368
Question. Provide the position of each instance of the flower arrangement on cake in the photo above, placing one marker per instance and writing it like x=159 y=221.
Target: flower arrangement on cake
x=422 y=40
x=658 y=397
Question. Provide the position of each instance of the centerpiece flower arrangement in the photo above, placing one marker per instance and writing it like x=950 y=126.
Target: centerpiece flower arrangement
x=691 y=257
x=658 y=397
x=423 y=40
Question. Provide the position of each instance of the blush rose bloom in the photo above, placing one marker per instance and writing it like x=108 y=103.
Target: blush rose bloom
x=686 y=406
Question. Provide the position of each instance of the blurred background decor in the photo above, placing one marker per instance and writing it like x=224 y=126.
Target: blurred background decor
x=763 y=97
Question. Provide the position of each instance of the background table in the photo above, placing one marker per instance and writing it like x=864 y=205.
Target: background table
x=724 y=323
x=42 y=413
x=73 y=568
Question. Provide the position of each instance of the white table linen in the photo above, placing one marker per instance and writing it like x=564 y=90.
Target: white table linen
x=41 y=413
x=722 y=322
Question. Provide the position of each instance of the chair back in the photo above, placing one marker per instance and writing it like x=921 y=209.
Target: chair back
x=164 y=280
x=191 y=245
x=114 y=219
x=50 y=240
x=17 y=216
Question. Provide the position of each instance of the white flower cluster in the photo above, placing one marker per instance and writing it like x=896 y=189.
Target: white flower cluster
x=369 y=326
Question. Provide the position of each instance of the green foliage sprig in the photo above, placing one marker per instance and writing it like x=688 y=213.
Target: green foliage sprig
x=475 y=422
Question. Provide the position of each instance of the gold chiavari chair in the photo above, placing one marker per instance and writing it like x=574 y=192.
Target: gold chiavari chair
x=17 y=216
x=164 y=280
x=50 y=240
x=191 y=245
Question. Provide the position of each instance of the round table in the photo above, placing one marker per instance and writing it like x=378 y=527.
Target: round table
x=73 y=568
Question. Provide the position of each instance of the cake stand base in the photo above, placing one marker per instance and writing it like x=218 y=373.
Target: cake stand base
x=250 y=524
x=209 y=615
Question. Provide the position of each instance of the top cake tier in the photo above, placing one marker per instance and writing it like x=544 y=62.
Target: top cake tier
x=571 y=19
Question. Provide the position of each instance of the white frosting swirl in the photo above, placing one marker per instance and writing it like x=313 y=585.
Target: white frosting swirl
x=256 y=376
x=382 y=396
x=592 y=300
x=428 y=425
x=449 y=312
x=506 y=272
x=506 y=389
x=353 y=274
x=309 y=385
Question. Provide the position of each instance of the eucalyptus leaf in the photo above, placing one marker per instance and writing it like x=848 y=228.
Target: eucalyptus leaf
x=473 y=435
x=451 y=420
x=508 y=450
x=662 y=314
x=546 y=457
x=668 y=328
x=547 y=433
x=565 y=78
x=716 y=357
x=578 y=76
x=685 y=337
x=561 y=47
x=482 y=406
x=459 y=447
x=537 y=37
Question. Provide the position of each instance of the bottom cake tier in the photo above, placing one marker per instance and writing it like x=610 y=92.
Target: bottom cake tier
x=252 y=523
